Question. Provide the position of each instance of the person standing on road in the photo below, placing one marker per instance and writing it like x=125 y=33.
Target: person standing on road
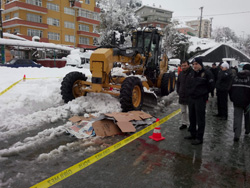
x=215 y=71
x=182 y=92
x=240 y=96
x=200 y=84
x=222 y=87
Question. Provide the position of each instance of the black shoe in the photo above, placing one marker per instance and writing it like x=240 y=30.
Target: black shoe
x=196 y=142
x=183 y=127
x=236 y=139
x=189 y=137
x=247 y=132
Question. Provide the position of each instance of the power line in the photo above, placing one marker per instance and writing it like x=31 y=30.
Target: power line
x=216 y=14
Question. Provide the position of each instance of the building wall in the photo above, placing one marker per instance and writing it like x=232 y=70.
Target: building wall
x=205 y=27
x=53 y=21
x=156 y=17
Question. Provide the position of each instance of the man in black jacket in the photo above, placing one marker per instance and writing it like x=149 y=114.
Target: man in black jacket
x=240 y=96
x=200 y=85
x=214 y=70
x=223 y=84
x=182 y=92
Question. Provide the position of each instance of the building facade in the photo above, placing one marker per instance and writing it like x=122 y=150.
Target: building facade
x=68 y=22
x=186 y=30
x=156 y=17
x=205 y=27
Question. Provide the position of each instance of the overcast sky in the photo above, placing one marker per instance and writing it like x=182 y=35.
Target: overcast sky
x=183 y=9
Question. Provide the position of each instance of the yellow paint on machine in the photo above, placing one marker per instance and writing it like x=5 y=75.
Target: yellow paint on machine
x=83 y=164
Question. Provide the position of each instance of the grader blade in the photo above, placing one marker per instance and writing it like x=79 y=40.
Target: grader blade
x=150 y=99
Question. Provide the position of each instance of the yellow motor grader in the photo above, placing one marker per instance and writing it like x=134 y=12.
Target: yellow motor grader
x=145 y=65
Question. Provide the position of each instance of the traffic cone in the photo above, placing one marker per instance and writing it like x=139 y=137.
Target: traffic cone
x=157 y=134
x=24 y=77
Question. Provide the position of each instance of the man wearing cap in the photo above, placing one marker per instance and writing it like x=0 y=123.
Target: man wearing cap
x=222 y=86
x=240 y=96
x=200 y=84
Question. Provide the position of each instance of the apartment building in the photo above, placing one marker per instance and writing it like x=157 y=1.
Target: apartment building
x=205 y=27
x=157 y=17
x=68 y=22
x=186 y=30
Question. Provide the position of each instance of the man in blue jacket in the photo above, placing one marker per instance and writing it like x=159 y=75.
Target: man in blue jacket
x=240 y=96
x=200 y=84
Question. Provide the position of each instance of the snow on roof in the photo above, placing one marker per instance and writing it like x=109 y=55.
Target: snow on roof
x=12 y=36
x=152 y=7
x=180 y=26
x=202 y=43
x=34 y=44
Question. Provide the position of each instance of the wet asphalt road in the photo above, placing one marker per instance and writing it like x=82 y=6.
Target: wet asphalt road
x=173 y=162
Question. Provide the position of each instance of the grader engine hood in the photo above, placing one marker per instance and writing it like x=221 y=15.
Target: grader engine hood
x=101 y=62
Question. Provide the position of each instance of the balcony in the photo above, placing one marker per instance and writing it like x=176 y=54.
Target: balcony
x=85 y=33
x=96 y=9
x=87 y=20
x=19 y=22
x=86 y=46
x=17 y=5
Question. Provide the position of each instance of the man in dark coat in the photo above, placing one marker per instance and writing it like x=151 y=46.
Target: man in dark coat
x=214 y=70
x=222 y=85
x=240 y=96
x=182 y=92
x=200 y=85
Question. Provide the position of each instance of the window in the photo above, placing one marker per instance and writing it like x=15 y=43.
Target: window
x=53 y=21
x=84 y=40
x=34 y=32
x=87 y=1
x=35 y=2
x=52 y=6
x=15 y=14
x=69 y=38
x=88 y=14
x=69 y=11
x=53 y=36
x=70 y=25
x=83 y=27
x=34 y=18
x=16 y=30
x=7 y=17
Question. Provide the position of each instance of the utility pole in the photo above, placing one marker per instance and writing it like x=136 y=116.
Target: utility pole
x=200 y=22
x=1 y=35
x=211 y=21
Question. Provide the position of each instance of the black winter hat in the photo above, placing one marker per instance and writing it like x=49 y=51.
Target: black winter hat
x=246 y=67
x=198 y=60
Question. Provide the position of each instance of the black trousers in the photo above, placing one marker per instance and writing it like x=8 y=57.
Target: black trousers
x=222 y=100
x=197 y=110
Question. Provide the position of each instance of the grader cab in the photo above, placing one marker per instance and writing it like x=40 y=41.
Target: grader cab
x=145 y=67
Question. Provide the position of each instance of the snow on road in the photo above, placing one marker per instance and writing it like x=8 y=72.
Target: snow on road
x=33 y=114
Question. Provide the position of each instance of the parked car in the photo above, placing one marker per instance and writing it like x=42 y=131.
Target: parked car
x=21 y=63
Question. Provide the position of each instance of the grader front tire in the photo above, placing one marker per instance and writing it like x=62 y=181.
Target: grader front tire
x=71 y=86
x=131 y=94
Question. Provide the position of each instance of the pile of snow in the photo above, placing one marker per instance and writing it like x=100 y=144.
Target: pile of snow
x=35 y=102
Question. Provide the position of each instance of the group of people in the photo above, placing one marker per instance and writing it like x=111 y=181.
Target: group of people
x=195 y=83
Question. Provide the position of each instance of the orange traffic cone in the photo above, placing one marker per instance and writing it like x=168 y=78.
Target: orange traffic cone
x=157 y=134
x=24 y=77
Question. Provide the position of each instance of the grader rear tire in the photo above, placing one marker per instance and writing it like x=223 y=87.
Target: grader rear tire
x=71 y=86
x=173 y=81
x=165 y=84
x=131 y=94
